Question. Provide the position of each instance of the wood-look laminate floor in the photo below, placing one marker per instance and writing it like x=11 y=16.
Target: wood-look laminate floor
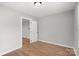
x=42 y=49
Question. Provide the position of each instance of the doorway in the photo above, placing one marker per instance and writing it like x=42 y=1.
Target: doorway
x=25 y=32
x=25 y=28
x=29 y=31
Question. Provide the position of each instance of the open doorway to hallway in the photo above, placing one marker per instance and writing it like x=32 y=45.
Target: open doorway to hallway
x=29 y=31
x=25 y=32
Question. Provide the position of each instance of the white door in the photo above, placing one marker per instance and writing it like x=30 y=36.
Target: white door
x=33 y=31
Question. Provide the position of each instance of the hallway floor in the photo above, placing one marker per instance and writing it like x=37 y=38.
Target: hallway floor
x=42 y=49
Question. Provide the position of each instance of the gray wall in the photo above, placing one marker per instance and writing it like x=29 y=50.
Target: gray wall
x=25 y=28
x=10 y=29
x=78 y=23
x=76 y=29
x=58 y=29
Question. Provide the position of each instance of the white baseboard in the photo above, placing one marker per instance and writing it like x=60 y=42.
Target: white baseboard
x=76 y=51
x=9 y=51
x=56 y=44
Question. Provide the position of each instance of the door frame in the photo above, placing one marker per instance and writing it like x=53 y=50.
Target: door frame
x=22 y=17
x=21 y=25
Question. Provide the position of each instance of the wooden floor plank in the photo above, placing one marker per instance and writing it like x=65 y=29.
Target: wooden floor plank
x=42 y=49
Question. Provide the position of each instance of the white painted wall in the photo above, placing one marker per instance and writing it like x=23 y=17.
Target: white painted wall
x=25 y=28
x=58 y=29
x=76 y=29
x=10 y=29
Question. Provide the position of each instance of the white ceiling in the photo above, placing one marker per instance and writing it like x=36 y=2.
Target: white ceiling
x=47 y=8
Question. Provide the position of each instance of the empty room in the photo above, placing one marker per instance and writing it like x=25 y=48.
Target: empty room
x=39 y=29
